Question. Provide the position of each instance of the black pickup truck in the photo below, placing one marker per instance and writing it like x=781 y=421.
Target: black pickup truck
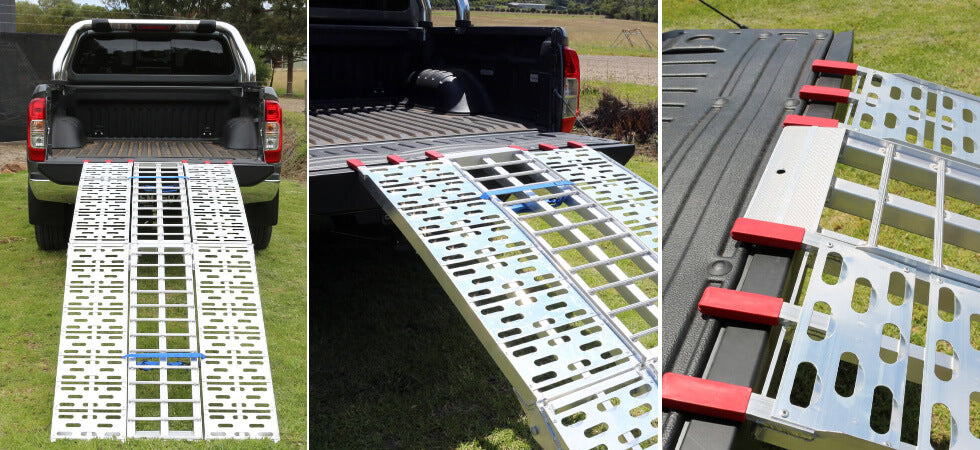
x=151 y=90
x=384 y=81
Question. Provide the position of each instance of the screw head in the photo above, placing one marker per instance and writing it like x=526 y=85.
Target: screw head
x=784 y=413
x=830 y=245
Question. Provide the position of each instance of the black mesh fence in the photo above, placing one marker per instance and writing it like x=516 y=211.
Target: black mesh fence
x=25 y=62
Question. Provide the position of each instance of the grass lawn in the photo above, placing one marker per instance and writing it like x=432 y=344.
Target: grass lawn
x=588 y=35
x=299 y=82
x=31 y=316
x=592 y=90
x=930 y=41
x=392 y=362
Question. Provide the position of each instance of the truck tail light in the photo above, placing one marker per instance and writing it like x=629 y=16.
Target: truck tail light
x=572 y=78
x=35 y=130
x=273 y=131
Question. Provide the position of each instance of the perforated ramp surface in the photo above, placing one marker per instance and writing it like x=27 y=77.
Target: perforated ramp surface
x=558 y=289
x=162 y=330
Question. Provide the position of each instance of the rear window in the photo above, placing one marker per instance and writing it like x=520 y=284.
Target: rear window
x=131 y=55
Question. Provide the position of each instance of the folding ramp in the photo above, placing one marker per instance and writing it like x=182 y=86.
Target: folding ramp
x=551 y=259
x=878 y=342
x=162 y=333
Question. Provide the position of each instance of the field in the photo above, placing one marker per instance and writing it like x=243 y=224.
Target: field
x=299 y=82
x=30 y=322
x=418 y=377
x=589 y=35
x=930 y=41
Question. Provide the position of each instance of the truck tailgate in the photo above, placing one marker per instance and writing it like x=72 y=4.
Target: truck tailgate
x=152 y=149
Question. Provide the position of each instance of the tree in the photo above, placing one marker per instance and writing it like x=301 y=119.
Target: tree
x=285 y=35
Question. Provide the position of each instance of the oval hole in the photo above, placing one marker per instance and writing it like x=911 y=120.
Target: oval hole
x=896 y=93
x=832 y=268
x=891 y=343
x=872 y=99
x=946 y=146
x=917 y=93
x=947 y=123
x=914 y=112
x=967 y=116
x=804 y=385
x=876 y=80
x=946 y=365
x=866 y=121
x=947 y=102
x=975 y=414
x=911 y=135
x=881 y=410
x=861 y=300
x=948 y=305
x=975 y=331
x=890 y=120
x=847 y=374
x=942 y=425
x=968 y=145
x=896 y=288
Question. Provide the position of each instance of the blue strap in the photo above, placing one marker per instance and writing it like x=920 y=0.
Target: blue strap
x=165 y=355
x=147 y=177
x=528 y=187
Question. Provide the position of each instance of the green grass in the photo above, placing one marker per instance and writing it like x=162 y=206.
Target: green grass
x=392 y=362
x=592 y=90
x=587 y=34
x=31 y=315
x=294 y=146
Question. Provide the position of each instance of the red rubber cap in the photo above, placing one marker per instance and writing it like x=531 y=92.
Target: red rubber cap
x=85 y=160
x=108 y=160
x=432 y=154
x=825 y=94
x=227 y=162
x=207 y=162
x=837 y=67
x=395 y=159
x=518 y=147
x=354 y=164
x=770 y=234
x=738 y=305
x=806 y=121
x=183 y=161
x=710 y=398
x=575 y=144
x=544 y=146
x=129 y=160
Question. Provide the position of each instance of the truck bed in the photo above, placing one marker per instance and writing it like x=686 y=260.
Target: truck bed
x=386 y=123
x=143 y=148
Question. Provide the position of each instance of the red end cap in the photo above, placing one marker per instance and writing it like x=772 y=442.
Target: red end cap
x=836 y=67
x=183 y=161
x=770 y=234
x=825 y=94
x=85 y=160
x=129 y=160
x=432 y=154
x=710 y=398
x=227 y=162
x=574 y=144
x=354 y=164
x=108 y=160
x=738 y=305
x=518 y=147
x=544 y=146
x=207 y=162
x=806 y=121
x=395 y=159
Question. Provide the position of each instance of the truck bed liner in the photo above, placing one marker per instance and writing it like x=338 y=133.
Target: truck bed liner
x=142 y=148
x=374 y=124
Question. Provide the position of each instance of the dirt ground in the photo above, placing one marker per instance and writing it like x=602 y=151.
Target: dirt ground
x=13 y=151
x=293 y=104
x=625 y=69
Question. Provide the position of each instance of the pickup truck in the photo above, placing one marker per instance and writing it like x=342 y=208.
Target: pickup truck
x=384 y=81
x=151 y=90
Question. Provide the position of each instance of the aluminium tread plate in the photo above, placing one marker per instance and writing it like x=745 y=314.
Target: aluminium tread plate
x=549 y=340
x=725 y=93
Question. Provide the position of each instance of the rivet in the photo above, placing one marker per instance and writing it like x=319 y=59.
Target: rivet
x=784 y=413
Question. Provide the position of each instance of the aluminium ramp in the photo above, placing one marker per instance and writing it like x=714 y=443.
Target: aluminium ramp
x=560 y=290
x=875 y=345
x=162 y=333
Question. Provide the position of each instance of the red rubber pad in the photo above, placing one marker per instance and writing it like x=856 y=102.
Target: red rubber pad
x=575 y=144
x=395 y=159
x=432 y=154
x=518 y=147
x=710 y=398
x=835 y=67
x=738 y=305
x=543 y=146
x=806 y=121
x=354 y=164
x=770 y=234
x=825 y=94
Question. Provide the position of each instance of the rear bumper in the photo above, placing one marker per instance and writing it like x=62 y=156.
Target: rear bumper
x=58 y=181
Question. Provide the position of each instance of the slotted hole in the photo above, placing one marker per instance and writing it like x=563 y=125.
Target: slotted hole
x=861 y=299
x=946 y=146
x=848 y=369
x=887 y=354
x=890 y=120
x=942 y=424
x=881 y=410
x=975 y=331
x=948 y=305
x=876 y=80
x=968 y=145
x=931 y=104
x=832 y=269
x=896 y=288
x=911 y=135
x=803 y=385
x=596 y=430
x=896 y=93
x=967 y=115
x=866 y=121
x=943 y=347
x=816 y=333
